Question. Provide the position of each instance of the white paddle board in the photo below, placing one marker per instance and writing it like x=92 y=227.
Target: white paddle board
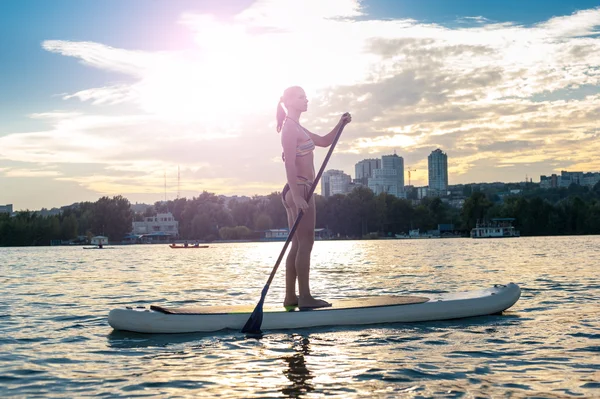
x=357 y=311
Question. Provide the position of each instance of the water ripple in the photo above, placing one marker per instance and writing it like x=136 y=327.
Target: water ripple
x=56 y=342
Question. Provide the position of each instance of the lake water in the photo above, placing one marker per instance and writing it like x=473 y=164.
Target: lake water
x=55 y=340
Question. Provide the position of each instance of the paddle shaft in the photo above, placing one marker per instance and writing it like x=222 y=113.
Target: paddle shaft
x=301 y=213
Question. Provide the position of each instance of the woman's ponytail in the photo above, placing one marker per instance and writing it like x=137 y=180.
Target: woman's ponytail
x=281 y=114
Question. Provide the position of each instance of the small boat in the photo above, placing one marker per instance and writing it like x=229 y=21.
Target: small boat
x=175 y=246
x=343 y=312
x=415 y=234
x=497 y=228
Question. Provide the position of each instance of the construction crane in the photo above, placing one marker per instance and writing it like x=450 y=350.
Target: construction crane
x=410 y=170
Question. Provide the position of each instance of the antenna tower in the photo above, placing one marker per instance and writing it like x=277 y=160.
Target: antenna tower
x=178 y=182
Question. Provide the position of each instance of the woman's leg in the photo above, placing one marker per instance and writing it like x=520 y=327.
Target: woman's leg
x=291 y=299
x=305 y=236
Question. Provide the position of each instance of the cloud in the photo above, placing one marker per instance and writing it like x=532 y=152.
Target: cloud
x=489 y=94
x=97 y=55
x=105 y=95
x=478 y=19
x=582 y=23
x=31 y=173
x=54 y=115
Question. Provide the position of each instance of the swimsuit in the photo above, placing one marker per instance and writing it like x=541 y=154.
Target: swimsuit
x=305 y=147
x=304 y=183
x=302 y=149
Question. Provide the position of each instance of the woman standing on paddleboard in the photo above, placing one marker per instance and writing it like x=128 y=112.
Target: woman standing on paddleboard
x=298 y=146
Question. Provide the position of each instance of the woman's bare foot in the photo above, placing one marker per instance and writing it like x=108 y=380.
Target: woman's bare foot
x=290 y=303
x=312 y=303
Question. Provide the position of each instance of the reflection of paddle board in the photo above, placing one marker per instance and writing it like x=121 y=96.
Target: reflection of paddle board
x=372 y=310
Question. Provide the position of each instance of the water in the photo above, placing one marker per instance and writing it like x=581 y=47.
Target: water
x=55 y=340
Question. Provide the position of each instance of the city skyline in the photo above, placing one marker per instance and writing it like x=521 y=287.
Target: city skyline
x=99 y=99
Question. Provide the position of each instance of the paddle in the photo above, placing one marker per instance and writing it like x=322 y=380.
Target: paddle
x=253 y=324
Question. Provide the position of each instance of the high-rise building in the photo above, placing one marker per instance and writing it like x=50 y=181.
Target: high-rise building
x=390 y=177
x=335 y=182
x=438 y=171
x=340 y=184
x=364 y=169
x=6 y=209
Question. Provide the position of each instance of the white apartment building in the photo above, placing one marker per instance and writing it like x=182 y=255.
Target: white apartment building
x=390 y=177
x=340 y=184
x=335 y=182
x=565 y=179
x=6 y=209
x=161 y=223
x=438 y=171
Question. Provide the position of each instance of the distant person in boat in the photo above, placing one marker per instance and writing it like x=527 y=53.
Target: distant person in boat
x=298 y=145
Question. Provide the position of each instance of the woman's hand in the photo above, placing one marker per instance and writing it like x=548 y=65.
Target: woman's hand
x=300 y=203
x=346 y=118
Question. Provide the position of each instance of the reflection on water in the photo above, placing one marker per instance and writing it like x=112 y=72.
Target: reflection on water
x=55 y=341
x=297 y=372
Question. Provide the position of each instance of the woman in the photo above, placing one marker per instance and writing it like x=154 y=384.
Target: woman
x=298 y=146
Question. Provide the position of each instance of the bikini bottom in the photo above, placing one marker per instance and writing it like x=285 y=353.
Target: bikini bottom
x=302 y=182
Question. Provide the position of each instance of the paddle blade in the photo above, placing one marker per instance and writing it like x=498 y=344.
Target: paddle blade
x=253 y=324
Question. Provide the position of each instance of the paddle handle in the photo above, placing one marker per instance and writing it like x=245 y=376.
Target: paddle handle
x=301 y=213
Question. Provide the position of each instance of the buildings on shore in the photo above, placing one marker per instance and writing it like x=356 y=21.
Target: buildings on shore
x=8 y=208
x=437 y=163
x=335 y=182
x=565 y=179
x=161 y=225
x=363 y=170
x=386 y=175
x=389 y=178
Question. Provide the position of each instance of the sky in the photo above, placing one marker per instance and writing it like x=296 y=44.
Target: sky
x=151 y=99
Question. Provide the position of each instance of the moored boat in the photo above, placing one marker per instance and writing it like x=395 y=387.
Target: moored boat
x=496 y=228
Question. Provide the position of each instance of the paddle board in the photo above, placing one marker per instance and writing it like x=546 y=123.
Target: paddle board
x=358 y=311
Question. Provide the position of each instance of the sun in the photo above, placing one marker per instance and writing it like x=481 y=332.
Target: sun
x=232 y=72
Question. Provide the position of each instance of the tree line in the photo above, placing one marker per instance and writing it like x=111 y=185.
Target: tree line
x=207 y=217
x=110 y=217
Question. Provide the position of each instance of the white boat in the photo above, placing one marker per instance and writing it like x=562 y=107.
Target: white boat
x=497 y=228
x=358 y=311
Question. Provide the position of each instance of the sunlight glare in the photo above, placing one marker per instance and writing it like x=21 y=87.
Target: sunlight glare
x=233 y=73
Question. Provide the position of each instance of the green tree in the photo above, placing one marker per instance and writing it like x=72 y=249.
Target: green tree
x=69 y=227
x=203 y=216
x=242 y=212
x=263 y=222
x=112 y=217
x=331 y=214
x=362 y=212
x=273 y=207
x=474 y=209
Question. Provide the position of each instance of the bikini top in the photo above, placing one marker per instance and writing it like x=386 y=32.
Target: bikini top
x=306 y=146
